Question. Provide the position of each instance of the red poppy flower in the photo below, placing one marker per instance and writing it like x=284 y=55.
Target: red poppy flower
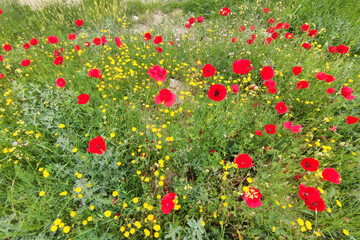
x=103 y=40
x=310 y=164
x=321 y=75
x=267 y=40
x=1 y=58
x=346 y=92
x=159 y=50
x=271 y=29
x=279 y=26
x=307 y=46
x=242 y=66
x=188 y=25
x=95 y=73
x=158 y=39
x=297 y=70
x=317 y=205
x=83 y=98
x=165 y=96
x=56 y=53
x=267 y=73
x=217 y=92
x=266 y=10
x=281 y=108
x=332 y=49
x=302 y=85
x=270 y=83
x=2 y=75
x=25 y=63
x=1 y=11
x=242 y=28
x=77 y=47
x=97 y=145
x=97 y=41
x=329 y=78
x=71 y=36
x=147 y=36
x=253 y=37
x=252 y=198
x=243 y=161
x=86 y=44
x=296 y=129
x=167 y=203
x=208 y=70
x=287 y=125
x=289 y=35
x=7 y=47
x=26 y=46
x=270 y=129
x=58 y=60
x=308 y=193
x=275 y=35
x=79 y=22
x=330 y=90
x=200 y=19
x=225 y=11
x=157 y=73
x=331 y=175
x=286 y=25
x=60 y=82
x=351 y=120
x=118 y=42
x=53 y=39
x=233 y=40
x=272 y=90
x=235 y=88
x=33 y=41
x=252 y=27
x=191 y=20
x=324 y=76
x=171 y=43
x=312 y=33
x=305 y=27
x=271 y=20
x=250 y=41
x=342 y=49
x=258 y=133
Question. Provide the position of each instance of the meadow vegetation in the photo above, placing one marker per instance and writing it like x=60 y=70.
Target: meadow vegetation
x=180 y=120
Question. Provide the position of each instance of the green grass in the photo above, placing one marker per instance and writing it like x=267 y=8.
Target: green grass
x=189 y=147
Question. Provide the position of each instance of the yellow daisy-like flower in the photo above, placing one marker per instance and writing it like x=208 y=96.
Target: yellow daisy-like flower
x=54 y=228
x=107 y=213
x=147 y=232
x=66 y=229
x=300 y=222
x=57 y=221
x=46 y=173
x=157 y=227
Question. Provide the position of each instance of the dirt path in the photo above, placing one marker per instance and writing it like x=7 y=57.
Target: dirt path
x=35 y=4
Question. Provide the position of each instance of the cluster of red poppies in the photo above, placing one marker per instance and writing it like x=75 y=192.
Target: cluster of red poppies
x=191 y=21
x=311 y=195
